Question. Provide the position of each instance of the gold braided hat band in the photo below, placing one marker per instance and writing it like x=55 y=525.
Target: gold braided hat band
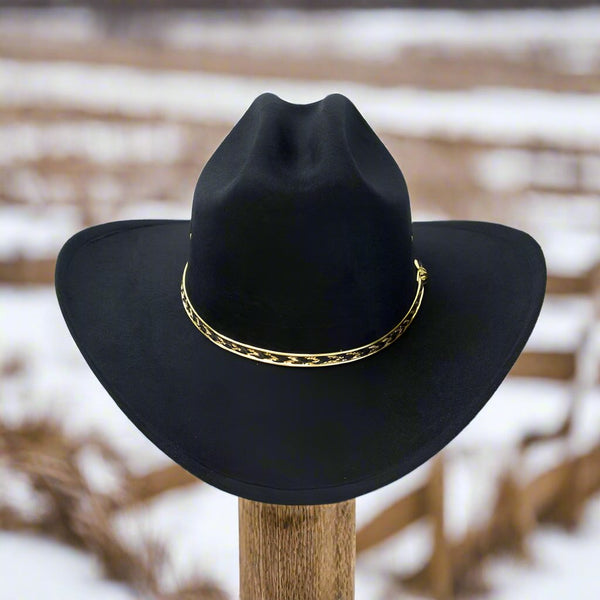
x=288 y=359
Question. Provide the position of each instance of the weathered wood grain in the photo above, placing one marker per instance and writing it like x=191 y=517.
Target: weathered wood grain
x=297 y=552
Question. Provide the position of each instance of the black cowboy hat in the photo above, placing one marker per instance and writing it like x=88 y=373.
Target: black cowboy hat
x=320 y=344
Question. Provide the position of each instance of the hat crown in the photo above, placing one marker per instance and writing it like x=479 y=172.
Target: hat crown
x=301 y=230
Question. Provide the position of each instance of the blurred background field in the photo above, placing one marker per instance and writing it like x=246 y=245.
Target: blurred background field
x=110 y=113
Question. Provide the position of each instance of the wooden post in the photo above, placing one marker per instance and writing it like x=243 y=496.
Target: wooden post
x=436 y=578
x=440 y=566
x=297 y=552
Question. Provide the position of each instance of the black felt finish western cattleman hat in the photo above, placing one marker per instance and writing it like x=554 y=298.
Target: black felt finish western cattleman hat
x=300 y=340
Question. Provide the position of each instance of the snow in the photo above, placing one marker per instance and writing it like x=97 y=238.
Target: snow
x=565 y=214
x=403 y=554
x=564 y=564
x=513 y=170
x=562 y=324
x=518 y=406
x=29 y=186
x=505 y=169
x=200 y=528
x=96 y=141
x=153 y=210
x=568 y=250
x=35 y=567
x=32 y=231
x=502 y=115
x=20 y=495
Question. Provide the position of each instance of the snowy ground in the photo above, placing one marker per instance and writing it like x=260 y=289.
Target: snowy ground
x=563 y=565
x=487 y=114
x=34 y=567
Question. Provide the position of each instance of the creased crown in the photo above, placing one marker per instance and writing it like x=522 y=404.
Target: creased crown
x=301 y=230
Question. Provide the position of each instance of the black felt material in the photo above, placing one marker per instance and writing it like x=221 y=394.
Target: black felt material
x=261 y=263
x=332 y=267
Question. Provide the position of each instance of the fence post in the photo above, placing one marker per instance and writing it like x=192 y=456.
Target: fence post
x=297 y=552
x=440 y=565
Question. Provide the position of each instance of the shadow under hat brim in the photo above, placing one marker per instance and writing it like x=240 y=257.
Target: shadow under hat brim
x=299 y=435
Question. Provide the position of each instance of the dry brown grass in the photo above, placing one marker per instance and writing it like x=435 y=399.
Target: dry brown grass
x=71 y=512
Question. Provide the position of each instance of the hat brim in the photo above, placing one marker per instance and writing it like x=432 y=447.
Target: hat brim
x=299 y=435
